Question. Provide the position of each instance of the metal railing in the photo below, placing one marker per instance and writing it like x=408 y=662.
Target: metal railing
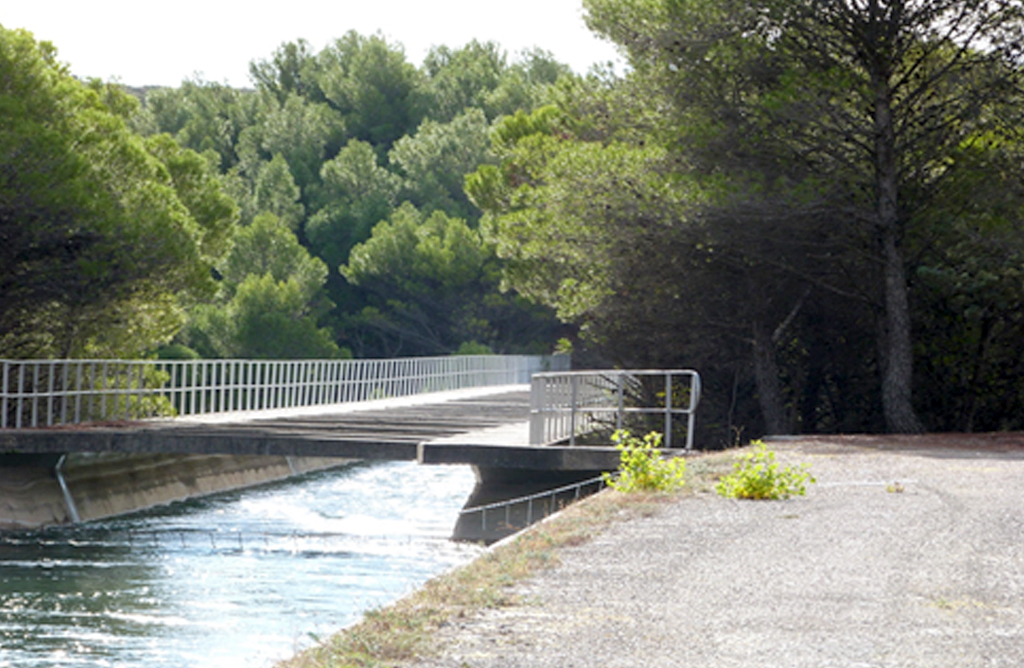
x=36 y=393
x=569 y=405
x=533 y=507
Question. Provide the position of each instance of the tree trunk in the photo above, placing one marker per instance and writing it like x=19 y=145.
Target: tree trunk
x=898 y=360
x=766 y=374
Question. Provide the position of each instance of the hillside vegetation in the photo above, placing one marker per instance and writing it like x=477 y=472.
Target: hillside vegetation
x=819 y=211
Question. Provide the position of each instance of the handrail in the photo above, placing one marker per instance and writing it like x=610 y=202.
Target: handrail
x=36 y=393
x=566 y=405
x=547 y=509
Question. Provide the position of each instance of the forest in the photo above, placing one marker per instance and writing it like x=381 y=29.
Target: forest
x=818 y=206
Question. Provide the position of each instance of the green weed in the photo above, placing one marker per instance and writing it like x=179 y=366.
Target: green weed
x=757 y=476
x=641 y=467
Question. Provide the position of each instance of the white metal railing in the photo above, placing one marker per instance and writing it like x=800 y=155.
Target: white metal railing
x=535 y=507
x=564 y=406
x=37 y=393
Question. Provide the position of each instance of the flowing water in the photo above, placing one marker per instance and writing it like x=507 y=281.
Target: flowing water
x=238 y=579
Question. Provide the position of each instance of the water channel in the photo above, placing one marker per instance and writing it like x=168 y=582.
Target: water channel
x=238 y=579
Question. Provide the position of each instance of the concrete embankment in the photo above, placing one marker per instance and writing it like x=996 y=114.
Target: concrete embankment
x=107 y=485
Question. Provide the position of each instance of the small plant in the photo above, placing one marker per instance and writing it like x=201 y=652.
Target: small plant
x=641 y=467
x=757 y=476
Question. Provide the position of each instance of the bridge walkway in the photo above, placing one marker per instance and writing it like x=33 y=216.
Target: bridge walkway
x=487 y=427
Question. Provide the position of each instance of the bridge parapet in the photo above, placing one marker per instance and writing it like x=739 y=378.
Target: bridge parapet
x=46 y=393
x=573 y=404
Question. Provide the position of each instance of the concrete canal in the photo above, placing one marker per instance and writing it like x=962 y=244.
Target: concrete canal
x=235 y=579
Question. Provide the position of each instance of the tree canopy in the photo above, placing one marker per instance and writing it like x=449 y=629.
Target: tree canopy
x=770 y=188
x=434 y=283
x=818 y=205
x=335 y=141
x=861 y=108
x=97 y=224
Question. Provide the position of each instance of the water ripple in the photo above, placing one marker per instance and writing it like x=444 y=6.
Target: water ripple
x=239 y=579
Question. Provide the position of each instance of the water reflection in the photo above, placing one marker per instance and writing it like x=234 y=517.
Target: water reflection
x=238 y=579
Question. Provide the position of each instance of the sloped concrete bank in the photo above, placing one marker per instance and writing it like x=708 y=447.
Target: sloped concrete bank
x=107 y=485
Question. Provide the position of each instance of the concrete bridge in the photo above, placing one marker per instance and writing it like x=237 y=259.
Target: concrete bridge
x=434 y=411
x=244 y=422
x=485 y=427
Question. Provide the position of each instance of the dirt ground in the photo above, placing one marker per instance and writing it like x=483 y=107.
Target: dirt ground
x=907 y=552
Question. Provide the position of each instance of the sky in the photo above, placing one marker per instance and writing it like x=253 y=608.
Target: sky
x=140 y=42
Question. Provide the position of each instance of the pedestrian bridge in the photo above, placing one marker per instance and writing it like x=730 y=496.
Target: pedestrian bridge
x=180 y=429
x=494 y=412
x=486 y=427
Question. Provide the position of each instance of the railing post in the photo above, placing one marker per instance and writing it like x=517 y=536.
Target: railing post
x=537 y=405
x=78 y=392
x=573 y=396
x=104 y=371
x=691 y=417
x=35 y=394
x=49 y=395
x=64 y=390
x=18 y=394
x=140 y=390
x=620 y=387
x=4 y=403
x=668 y=409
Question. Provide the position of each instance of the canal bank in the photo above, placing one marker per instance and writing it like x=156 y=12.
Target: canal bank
x=38 y=491
x=905 y=553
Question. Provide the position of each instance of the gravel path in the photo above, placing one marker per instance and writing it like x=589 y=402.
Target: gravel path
x=898 y=556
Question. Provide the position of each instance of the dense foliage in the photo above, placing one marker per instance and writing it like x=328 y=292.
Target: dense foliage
x=353 y=149
x=219 y=220
x=818 y=205
x=104 y=236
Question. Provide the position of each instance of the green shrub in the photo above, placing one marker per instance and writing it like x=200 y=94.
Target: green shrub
x=758 y=476
x=641 y=467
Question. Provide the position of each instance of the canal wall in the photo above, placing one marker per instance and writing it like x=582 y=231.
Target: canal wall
x=106 y=485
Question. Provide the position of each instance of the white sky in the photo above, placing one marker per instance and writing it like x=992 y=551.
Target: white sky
x=141 y=42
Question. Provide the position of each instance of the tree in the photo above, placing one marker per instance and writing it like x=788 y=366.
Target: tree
x=268 y=246
x=276 y=192
x=436 y=159
x=357 y=193
x=200 y=115
x=104 y=235
x=478 y=76
x=970 y=297
x=460 y=79
x=271 y=298
x=266 y=319
x=304 y=133
x=199 y=190
x=526 y=84
x=873 y=100
x=372 y=85
x=433 y=284
x=290 y=71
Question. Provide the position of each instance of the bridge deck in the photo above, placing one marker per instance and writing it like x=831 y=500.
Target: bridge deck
x=485 y=427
